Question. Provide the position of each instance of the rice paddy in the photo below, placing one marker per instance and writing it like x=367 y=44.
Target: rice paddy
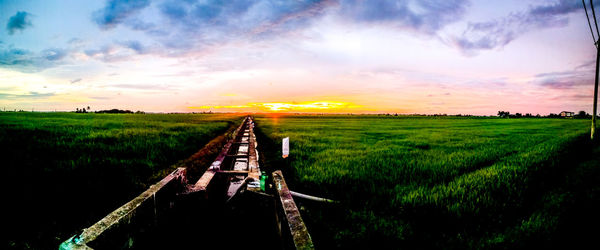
x=443 y=182
x=65 y=171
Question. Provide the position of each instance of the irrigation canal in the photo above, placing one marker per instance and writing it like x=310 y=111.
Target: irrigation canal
x=233 y=205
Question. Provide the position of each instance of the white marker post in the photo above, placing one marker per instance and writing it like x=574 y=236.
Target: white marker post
x=285 y=147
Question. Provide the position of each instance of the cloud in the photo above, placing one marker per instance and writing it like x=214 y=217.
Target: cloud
x=201 y=25
x=425 y=16
x=499 y=32
x=54 y=54
x=116 y=11
x=230 y=16
x=75 y=80
x=580 y=76
x=15 y=56
x=193 y=26
x=29 y=95
x=19 y=21
x=28 y=61
x=137 y=24
x=101 y=98
x=134 y=45
x=190 y=26
x=117 y=51
x=143 y=86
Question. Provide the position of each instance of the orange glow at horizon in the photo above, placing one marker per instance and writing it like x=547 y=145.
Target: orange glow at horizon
x=286 y=107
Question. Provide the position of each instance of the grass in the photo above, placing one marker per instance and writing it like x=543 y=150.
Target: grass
x=64 y=171
x=438 y=182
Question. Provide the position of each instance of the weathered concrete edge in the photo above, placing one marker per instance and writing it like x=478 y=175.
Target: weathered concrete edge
x=120 y=215
x=253 y=166
x=208 y=175
x=300 y=235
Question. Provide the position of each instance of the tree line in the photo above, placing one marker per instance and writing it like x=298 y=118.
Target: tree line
x=506 y=114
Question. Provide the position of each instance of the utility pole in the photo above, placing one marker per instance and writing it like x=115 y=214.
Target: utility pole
x=595 y=95
x=595 y=108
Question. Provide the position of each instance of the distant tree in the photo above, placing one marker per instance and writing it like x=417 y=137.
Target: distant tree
x=518 y=115
x=115 y=111
x=503 y=114
x=582 y=115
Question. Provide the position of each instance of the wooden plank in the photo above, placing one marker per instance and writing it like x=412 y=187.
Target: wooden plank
x=300 y=235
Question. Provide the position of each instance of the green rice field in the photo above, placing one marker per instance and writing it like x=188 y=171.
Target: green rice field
x=65 y=171
x=439 y=182
x=401 y=182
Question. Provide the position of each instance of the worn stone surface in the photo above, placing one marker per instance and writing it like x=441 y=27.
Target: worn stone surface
x=300 y=235
x=206 y=178
x=124 y=214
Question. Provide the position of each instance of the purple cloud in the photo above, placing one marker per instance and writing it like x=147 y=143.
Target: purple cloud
x=498 y=33
x=580 y=76
x=425 y=16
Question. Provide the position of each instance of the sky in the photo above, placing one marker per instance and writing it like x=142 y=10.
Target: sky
x=333 y=56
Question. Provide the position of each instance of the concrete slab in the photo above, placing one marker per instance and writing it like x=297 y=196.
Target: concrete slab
x=240 y=165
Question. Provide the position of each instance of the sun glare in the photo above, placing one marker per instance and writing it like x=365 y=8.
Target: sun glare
x=320 y=106
x=280 y=106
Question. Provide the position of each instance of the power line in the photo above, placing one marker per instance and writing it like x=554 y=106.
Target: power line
x=589 y=23
x=594 y=15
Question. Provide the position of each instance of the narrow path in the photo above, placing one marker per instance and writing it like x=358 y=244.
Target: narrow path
x=223 y=209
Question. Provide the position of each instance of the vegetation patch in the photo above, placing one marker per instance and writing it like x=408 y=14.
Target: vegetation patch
x=65 y=171
x=443 y=182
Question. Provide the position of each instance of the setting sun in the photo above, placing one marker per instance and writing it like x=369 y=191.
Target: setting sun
x=320 y=106
x=398 y=124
